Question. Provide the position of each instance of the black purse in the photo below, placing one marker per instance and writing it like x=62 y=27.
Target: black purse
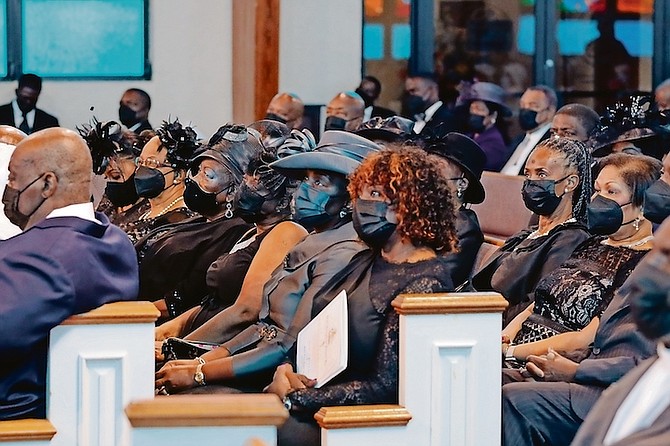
x=176 y=348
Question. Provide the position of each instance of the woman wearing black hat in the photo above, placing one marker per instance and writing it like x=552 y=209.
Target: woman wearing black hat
x=174 y=257
x=557 y=188
x=113 y=152
x=236 y=278
x=462 y=161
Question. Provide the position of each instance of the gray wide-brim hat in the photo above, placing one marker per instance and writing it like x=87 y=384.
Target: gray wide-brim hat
x=487 y=92
x=338 y=151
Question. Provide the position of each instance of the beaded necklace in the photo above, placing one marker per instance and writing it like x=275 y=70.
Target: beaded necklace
x=164 y=211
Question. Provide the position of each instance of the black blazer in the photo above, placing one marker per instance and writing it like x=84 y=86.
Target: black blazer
x=43 y=120
x=443 y=117
x=517 y=140
x=382 y=112
x=144 y=126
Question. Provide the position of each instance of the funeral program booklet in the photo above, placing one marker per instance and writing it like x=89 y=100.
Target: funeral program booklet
x=323 y=345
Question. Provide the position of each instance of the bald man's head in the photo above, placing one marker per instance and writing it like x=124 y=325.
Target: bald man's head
x=11 y=135
x=345 y=111
x=286 y=108
x=48 y=170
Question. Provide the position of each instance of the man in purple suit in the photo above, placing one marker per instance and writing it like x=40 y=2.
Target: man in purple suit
x=68 y=260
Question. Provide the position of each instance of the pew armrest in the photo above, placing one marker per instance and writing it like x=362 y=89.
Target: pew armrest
x=26 y=430
x=125 y=312
x=207 y=410
x=380 y=415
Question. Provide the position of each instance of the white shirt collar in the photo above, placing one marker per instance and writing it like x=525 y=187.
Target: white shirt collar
x=430 y=111
x=18 y=115
x=80 y=210
x=367 y=113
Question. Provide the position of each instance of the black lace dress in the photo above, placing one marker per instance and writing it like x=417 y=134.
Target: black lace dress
x=372 y=374
x=123 y=219
x=579 y=290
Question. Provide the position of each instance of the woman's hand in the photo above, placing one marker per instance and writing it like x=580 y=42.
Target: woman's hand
x=177 y=375
x=158 y=351
x=285 y=380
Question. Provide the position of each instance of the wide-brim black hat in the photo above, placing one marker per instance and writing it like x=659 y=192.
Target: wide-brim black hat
x=470 y=158
x=338 y=151
x=392 y=129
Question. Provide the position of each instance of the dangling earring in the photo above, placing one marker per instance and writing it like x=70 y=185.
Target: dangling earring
x=459 y=193
x=636 y=223
x=229 y=206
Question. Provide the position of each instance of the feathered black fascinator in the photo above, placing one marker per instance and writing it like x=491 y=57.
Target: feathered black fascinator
x=180 y=142
x=629 y=120
x=102 y=140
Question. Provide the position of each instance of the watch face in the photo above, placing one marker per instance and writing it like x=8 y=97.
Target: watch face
x=199 y=378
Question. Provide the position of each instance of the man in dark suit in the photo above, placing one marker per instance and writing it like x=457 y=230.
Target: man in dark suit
x=537 y=106
x=636 y=410
x=134 y=110
x=21 y=112
x=370 y=89
x=551 y=410
x=68 y=260
x=422 y=104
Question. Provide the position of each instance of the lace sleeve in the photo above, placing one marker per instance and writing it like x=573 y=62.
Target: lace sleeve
x=381 y=386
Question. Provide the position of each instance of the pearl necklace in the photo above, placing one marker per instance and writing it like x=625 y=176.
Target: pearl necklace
x=165 y=210
x=537 y=234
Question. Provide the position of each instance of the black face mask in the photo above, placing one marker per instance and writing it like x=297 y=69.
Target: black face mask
x=476 y=123
x=540 y=196
x=311 y=206
x=414 y=105
x=275 y=117
x=335 y=123
x=250 y=203
x=605 y=216
x=122 y=194
x=127 y=116
x=648 y=289
x=366 y=97
x=10 y=199
x=149 y=182
x=527 y=119
x=197 y=200
x=657 y=202
x=371 y=224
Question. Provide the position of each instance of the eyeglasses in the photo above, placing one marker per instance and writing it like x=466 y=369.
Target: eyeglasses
x=152 y=163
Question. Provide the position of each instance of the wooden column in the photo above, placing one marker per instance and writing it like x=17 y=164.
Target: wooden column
x=255 y=57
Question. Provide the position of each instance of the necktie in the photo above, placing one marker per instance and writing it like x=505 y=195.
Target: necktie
x=24 y=127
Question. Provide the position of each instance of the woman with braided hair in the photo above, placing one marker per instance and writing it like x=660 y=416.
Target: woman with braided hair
x=558 y=189
x=568 y=301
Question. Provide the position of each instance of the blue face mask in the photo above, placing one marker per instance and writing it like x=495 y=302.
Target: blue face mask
x=314 y=208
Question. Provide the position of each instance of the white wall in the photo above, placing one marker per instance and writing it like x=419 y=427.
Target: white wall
x=320 y=48
x=190 y=50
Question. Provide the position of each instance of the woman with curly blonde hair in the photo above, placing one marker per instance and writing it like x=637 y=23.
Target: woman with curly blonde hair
x=403 y=209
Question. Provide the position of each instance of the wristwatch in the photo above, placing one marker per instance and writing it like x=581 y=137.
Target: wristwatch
x=199 y=377
x=287 y=403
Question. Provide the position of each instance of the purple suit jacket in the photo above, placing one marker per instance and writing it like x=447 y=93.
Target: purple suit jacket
x=492 y=143
x=59 y=267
